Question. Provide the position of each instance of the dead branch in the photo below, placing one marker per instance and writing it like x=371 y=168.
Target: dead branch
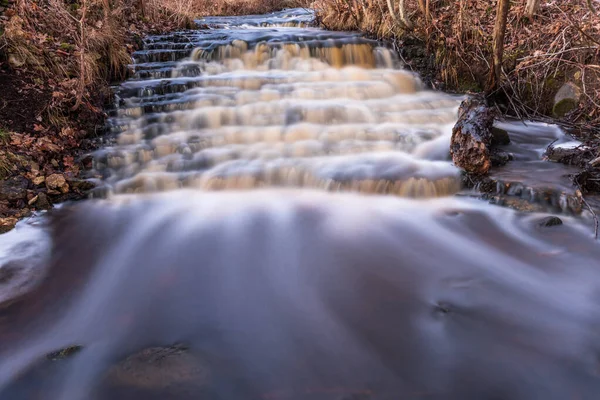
x=532 y=7
x=498 y=46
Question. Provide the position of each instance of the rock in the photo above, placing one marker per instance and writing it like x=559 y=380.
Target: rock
x=472 y=136
x=595 y=162
x=500 y=137
x=7 y=224
x=8 y=272
x=500 y=158
x=57 y=182
x=83 y=185
x=550 y=221
x=579 y=156
x=15 y=61
x=64 y=353
x=160 y=369
x=42 y=202
x=566 y=99
x=39 y=180
x=14 y=189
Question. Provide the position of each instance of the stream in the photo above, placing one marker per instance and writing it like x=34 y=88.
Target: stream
x=278 y=217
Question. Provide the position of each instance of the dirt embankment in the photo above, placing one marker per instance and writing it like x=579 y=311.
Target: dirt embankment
x=57 y=59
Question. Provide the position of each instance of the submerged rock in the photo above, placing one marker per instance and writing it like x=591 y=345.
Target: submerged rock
x=472 y=136
x=500 y=137
x=550 y=221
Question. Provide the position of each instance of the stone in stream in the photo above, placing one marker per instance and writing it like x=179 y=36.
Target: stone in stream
x=550 y=221
x=472 y=136
x=500 y=137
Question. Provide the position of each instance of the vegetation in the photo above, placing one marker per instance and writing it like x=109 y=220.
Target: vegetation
x=57 y=59
x=540 y=46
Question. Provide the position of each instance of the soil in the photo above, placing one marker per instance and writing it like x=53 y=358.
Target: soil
x=32 y=153
x=22 y=102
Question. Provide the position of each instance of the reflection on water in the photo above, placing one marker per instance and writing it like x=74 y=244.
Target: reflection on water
x=273 y=267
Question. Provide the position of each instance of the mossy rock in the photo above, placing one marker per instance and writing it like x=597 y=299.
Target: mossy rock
x=566 y=99
x=564 y=107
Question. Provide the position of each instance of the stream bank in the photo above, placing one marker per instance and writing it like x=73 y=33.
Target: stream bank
x=550 y=59
x=57 y=62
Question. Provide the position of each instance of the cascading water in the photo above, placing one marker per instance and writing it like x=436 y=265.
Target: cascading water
x=278 y=107
x=249 y=279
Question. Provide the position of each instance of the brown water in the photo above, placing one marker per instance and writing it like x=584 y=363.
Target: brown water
x=283 y=222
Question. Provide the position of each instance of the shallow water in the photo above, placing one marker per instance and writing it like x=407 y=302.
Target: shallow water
x=283 y=222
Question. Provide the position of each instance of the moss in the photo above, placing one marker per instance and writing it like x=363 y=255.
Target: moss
x=6 y=165
x=563 y=107
x=67 y=47
x=64 y=353
x=4 y=136
x=468 y=85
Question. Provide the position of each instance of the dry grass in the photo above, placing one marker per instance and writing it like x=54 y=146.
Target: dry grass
x=78 y=46
x=245 y=7
x=561 y=43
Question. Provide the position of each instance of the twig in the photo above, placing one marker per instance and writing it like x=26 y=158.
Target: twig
x=577 y=26
x=596 y=222
x=558 y=52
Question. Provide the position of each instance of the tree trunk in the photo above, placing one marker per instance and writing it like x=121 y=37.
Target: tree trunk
x=532 y=7
x=591 y=6
x=422 y=6
x=498 y=49
x=401 y=17
x=143 y=7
